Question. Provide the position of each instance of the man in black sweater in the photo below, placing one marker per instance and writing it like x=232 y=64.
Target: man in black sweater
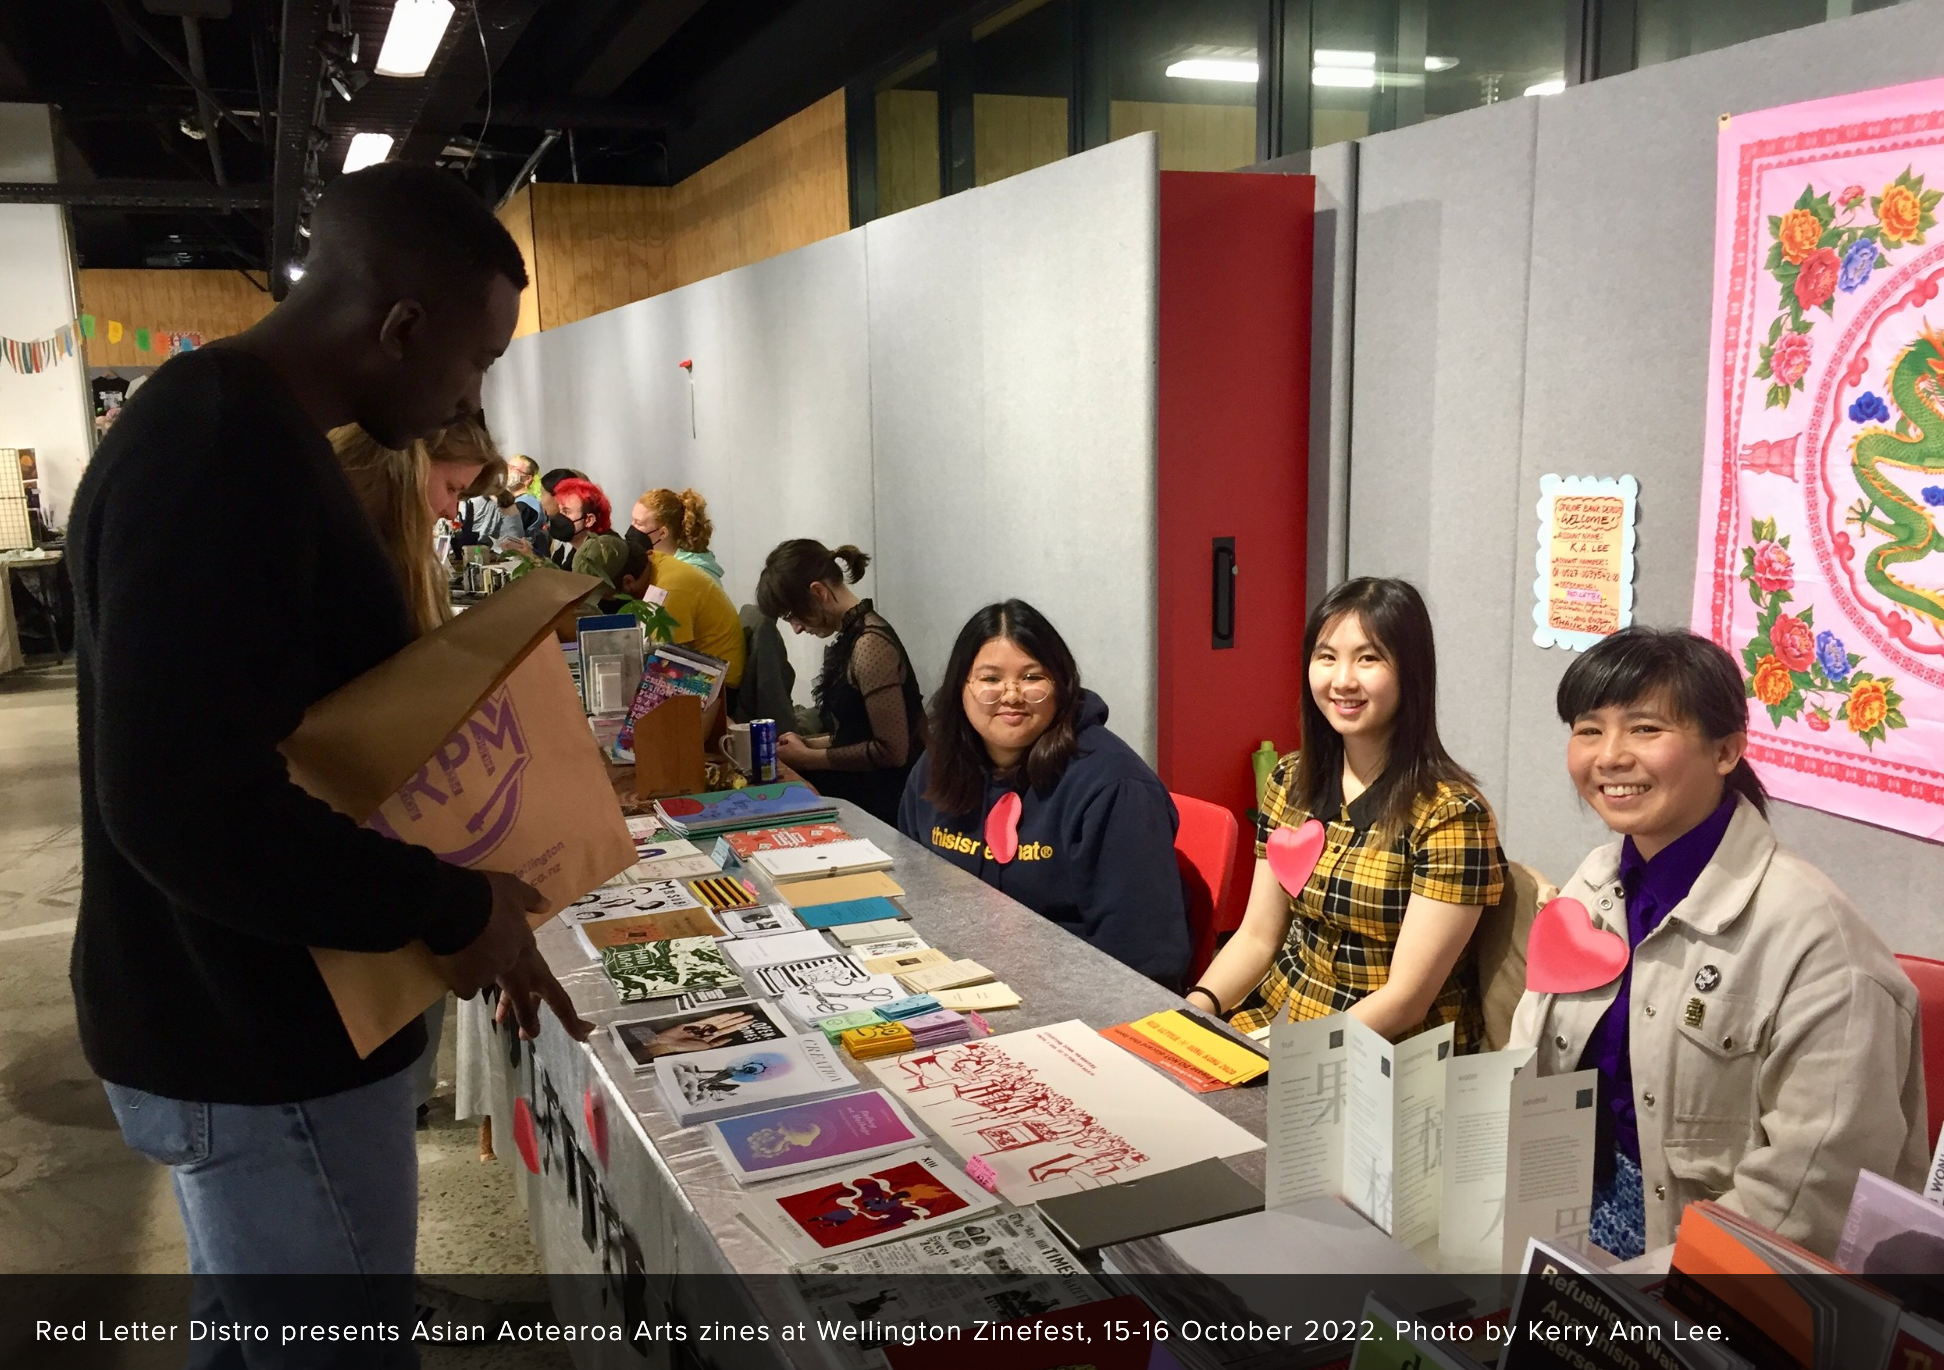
x=206 y=874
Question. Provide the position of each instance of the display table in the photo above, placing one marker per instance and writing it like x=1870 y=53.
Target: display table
x=662 y=1197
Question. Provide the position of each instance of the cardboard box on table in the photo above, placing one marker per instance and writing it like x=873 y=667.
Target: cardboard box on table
x=471 y=742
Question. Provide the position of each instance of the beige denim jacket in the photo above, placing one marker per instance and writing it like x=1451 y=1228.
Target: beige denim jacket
x=1773 y=1035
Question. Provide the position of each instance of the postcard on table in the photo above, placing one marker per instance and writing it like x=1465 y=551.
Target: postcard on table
x=878 y=930
x=765 y=920
x=1057 y=1109
x=728 y=1081
x=812 y=1136
x=617 y=930
x=803 y=945
x=832 y=969
x=835 y=889
x=705 y=1027
x=911 y=1191
x=655 y=970
x=869 y=912
x=814 y=1003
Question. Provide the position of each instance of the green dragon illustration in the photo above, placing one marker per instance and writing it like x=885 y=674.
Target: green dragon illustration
x=1917 y=385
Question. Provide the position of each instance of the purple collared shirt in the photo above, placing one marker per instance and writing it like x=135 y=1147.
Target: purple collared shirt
x=1653 y=888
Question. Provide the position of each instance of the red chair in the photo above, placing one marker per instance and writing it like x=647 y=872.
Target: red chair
x=1928 y=976
x=1205 y=854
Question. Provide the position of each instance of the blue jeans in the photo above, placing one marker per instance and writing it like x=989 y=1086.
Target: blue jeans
x=326 y=1189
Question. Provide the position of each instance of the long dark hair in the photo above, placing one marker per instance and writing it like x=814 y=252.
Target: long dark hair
x=1697 y=678
x=783 y=590
x=1393 y=615
x=959 y=763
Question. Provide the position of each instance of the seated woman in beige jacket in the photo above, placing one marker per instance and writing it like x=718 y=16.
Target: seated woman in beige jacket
x=1760 y=1047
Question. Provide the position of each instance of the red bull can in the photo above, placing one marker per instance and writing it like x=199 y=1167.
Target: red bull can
x=762 y=749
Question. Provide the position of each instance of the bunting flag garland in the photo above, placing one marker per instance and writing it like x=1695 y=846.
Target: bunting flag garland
x=32 y=356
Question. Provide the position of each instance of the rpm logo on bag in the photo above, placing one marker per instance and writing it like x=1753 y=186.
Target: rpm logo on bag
x=466 y=799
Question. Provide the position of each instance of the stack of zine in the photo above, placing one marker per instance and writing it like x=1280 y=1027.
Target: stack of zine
x=658 y=970
x=672 y=671
x=730 y=1081
x=757 y=806
x=871 y=1041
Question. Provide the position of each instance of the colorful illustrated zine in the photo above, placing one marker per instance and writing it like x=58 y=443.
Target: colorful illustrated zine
x=637 y=928
x=723 y=892
x=811 y=1136
x=670 y=671
x=911 y=1191
x=758 y=806
x=655 y=970
x=706 y=1085
x=1056 y=1109
x=747 y=844
x=703 y=1027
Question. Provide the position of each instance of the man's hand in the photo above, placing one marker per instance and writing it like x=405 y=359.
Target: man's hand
x=499 y=946
x=525 y=986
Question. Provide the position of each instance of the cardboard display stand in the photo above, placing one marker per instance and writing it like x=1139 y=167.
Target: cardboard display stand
x=471 y=742
x=668 y=749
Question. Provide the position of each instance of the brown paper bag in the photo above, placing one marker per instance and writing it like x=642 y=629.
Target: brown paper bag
x=668 y=749
x=471 y=742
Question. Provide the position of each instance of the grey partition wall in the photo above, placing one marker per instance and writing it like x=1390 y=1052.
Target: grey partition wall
x=965 y=390
x=1533 y=296
x=1012 y=399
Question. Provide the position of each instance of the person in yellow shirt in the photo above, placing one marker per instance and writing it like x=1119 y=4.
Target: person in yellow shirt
x=704 y=614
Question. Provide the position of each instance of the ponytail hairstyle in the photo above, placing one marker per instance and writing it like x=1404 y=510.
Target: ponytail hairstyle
x=391 y=486
x=959 y=760
x=1399 y=626
x=1696 y=679
x=685 y=516
x=783 y=590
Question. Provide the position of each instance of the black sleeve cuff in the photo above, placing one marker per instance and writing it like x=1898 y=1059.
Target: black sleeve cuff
x=465 y=904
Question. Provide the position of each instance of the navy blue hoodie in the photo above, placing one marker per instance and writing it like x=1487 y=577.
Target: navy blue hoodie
x=1096 y=854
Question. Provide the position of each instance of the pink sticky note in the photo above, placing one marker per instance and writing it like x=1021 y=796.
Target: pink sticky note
x=978 y=1021
x=982 y=1174
x=1566 y=953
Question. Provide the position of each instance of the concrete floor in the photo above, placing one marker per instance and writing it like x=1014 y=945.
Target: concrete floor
x=73 y=1199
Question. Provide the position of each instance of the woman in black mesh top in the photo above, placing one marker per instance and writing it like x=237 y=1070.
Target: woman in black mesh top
x=867 y=693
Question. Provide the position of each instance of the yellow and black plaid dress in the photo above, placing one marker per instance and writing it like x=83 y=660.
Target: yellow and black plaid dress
x=1345 y=925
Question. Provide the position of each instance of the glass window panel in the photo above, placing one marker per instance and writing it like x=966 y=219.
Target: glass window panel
x=1384 y=64
x=1187 y=70
x=1667 y=29
x=907 y=136
x=1022 y=70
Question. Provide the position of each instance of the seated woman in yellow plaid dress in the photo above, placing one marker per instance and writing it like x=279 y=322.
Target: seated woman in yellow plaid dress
x=1383 y=926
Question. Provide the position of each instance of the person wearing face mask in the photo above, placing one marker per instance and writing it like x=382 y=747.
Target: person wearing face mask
x=1382 y=928
x=1022 y=785
x=1759 y=1045
x=867 y=690
x=679 y=525
x=557 y=529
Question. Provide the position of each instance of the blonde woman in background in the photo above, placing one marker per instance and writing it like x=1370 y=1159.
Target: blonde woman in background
x=406 y=493
x=676 y=525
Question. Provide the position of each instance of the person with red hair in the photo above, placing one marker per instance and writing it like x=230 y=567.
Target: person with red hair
x=598 y=550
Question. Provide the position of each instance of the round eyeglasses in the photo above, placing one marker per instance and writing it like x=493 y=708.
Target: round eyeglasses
x=1030 y=691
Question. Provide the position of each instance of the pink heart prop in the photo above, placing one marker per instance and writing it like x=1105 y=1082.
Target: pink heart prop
x=1002 y=827
x=1566 y=954
x=594 y=1109
x=1293 y=854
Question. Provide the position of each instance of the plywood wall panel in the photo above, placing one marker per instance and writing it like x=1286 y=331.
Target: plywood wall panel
x=1015 y=133
x=212 y=303
x=517 y=215
x=1193 y=137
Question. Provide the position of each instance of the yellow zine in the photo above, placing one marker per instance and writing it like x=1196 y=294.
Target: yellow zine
x=1227 y=1061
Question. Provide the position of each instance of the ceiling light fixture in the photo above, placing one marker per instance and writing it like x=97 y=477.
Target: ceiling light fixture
x=1215 y=69
x=367 y=149
x=1554 y=86
x=1440 y=63
x=412 y=38
x=1347 y=78
x=1341 y=57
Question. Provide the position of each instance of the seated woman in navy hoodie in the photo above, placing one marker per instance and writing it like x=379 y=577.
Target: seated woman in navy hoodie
x=1020 y=759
